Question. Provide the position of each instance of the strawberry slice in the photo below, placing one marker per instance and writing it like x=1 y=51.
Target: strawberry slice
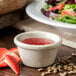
x=12 y=63
x=64 y=12
x=60 y=7
x=15 y=50
x=2 y=52
x=3 y=64
x=14 y=55
x=69 y=12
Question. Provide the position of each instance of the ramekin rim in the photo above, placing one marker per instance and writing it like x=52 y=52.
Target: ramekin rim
x=19 y=43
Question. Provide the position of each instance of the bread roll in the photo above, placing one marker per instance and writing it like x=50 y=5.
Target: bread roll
x=10 y=5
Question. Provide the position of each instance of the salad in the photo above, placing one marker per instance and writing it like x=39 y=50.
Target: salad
x=60 y=10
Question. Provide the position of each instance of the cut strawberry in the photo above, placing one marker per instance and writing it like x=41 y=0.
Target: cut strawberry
x=64 y=12
x=60 y=7
x=2 y=52
x=3 y=64
x=14 y=55
x=12 y=63
x=15 y=50
x=69 y=12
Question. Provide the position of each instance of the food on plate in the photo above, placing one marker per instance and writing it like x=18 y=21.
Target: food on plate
x=60 y=10
x=9 y=58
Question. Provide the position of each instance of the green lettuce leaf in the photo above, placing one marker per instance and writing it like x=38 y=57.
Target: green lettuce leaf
x=70 y=6
x=67 y=19
x=47 y=6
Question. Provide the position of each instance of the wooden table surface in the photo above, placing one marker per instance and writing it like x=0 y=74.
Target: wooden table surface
x=6 y=40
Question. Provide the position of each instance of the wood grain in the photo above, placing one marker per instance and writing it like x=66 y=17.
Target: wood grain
x=29 y=24
x=6 y=40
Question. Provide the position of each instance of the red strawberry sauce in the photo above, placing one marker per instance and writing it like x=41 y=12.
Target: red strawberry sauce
x=38 y=41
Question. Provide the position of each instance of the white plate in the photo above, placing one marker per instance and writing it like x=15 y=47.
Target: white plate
x=34 y=11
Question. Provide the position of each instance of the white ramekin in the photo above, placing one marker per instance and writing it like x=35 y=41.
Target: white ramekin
x=37 y=55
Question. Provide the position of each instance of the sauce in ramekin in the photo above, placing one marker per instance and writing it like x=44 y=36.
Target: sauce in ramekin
x=38 y=41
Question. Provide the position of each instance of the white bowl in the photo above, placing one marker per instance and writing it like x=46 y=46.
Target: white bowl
x=37 y=55
x=34 y=11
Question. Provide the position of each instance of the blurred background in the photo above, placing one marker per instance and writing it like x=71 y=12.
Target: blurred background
x=13 y=19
